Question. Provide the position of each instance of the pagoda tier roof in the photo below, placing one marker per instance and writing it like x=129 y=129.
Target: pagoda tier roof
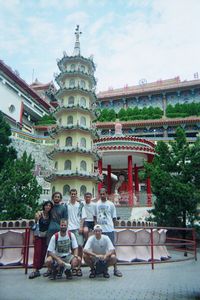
x=157 y=122
x=126 y=148
x=60 y=128
x=125 y=140
x=160 y=86
x=77 y=149
x=23 y=85
x=73 y=174
x=76 y=58
x=72 y=108
x=62 y=91
x=80 y=73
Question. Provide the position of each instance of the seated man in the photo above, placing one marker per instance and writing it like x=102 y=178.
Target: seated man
x=60 y=257
x=99 y=250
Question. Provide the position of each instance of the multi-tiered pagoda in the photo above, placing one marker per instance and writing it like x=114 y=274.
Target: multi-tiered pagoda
x=73 y=154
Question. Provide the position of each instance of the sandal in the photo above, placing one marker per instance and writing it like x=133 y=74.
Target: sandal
x=106 y=274
x=92 y=273
x=47 y=273
x=117 y=273
x=34 y=274
x=74 y=272
x=79 y=273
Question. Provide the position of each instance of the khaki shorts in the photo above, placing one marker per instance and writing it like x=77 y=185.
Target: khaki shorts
x=68 y=258
x=79 y=237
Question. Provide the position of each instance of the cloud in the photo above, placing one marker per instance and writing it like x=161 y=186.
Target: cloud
x=130 y=39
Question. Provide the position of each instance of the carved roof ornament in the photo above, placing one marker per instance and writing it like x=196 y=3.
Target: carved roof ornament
x=77 y=50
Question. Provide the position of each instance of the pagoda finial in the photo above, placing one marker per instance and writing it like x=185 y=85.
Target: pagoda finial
x=77 y=50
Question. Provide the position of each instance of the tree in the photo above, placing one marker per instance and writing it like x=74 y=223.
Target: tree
x=47 y=120
x=175 y=181
x=6 y=151
x=19 y=190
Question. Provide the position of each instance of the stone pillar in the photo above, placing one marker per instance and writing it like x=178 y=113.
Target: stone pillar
x=136 y=183
x=130 y=180
x=109 y=179
x=100 y=164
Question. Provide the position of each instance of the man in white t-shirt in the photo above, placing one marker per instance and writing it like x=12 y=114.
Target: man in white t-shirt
x=99 y=248
x=76 y=218
x=90 y=212
x=106 y=217
x=60 y=255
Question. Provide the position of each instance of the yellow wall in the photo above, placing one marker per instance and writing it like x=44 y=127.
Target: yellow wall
x=76 y=138
x=75 y=183
x=75 y=161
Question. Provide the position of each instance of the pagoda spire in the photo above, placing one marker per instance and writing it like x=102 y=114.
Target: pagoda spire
x=77 y=50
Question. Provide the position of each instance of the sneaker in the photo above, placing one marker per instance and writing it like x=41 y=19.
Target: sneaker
x=68 y=274
x=34 y=274
x=117 y=273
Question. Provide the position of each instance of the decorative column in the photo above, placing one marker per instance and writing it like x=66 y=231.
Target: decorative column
x=109 y=179
x=136 y=183
x=130 y=180
x=100 y=164
x=148 y=183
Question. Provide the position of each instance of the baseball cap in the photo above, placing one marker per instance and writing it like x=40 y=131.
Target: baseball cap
x=97 y=227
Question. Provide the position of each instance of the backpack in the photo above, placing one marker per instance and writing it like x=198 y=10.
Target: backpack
x=56 y=238
x=101 y=266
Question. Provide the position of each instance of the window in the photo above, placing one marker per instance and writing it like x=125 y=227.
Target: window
x=71 y=100
x=83 y=121
x=56 y=165
x=83 y=84
x=58 y=142
x=66 y=190
x=72 y=67
x=82 y=68
x=68 y=141
x=83 y=102
x=83 y=190
x=83 y=142
x=68 y=165
x=11 y=108
x=83 y=166
x=69 y=120
x=60 y=121
x=72 y=83
x=53 y=189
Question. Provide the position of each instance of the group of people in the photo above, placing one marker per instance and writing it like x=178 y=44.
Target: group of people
x=64 y=238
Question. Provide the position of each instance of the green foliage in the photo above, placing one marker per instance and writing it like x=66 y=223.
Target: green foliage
x=47 y=120
x=175 y=181
x=19 y=190
x=183 y=110
x=6 y=152
x=130 y=114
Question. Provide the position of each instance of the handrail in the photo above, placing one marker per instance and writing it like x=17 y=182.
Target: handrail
x=177 y=242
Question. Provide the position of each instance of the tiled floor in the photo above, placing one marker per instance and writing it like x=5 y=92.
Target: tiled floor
x=180 y=280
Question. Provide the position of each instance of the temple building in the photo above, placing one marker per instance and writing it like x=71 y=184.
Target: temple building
x=163 y=94
x=73 y=154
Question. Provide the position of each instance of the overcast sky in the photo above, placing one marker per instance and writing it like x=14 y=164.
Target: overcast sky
x=130 y=39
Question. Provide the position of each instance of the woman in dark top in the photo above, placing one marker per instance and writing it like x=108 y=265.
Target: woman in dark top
x=42 y=220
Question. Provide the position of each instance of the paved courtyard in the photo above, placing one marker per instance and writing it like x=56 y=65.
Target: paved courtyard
x=180 y=280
